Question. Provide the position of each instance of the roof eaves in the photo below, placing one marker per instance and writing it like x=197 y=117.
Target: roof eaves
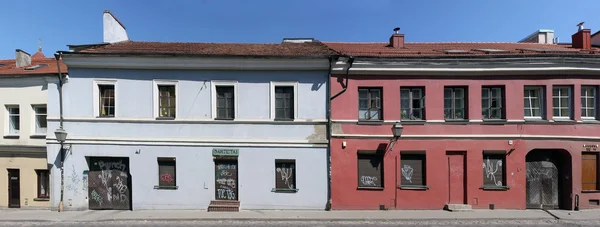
x=125 y=54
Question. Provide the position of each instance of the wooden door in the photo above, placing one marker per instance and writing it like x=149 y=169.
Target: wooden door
x=14 y=188
x=226 y=180
x=456 y=177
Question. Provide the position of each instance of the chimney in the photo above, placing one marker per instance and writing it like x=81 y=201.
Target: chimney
x=397 y=40
x=114 y=31
x=23 y=58
x=582 y=39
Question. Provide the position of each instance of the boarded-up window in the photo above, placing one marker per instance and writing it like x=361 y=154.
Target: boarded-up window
x=166 y=172
x=285 y=174
x=225 y=102
x=412 y=169
x=494 y=170
x=370 y=169
x=589 y=171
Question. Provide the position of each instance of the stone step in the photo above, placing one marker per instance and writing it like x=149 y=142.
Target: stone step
x=224 y=206
x=225 y=202
x=458 y=207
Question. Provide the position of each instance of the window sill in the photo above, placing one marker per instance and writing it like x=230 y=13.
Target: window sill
x=412 y=122
x=224 y=119
x=283 y=119
x=166 y=187
x=495 y=188
x=41 y=199
x=590 y=191
x=113 y=116
x=371 y=188
x=564 y=121
x=413 y=187
x=456 y=121
x=11 y=137
x=370 y=122
x=494 y=121
x=285 y=190
x=37 y=137
x=590 y=121
x=165 y=118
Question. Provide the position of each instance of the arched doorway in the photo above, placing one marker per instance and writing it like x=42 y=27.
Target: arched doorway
x=548 y=181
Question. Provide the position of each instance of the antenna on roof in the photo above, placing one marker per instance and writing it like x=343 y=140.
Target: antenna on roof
x=396 y=30
x=580 y=25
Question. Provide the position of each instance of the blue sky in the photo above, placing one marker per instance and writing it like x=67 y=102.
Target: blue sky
x=62 y=22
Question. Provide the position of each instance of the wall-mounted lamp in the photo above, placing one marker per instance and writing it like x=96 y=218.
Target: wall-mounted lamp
x=397 y=132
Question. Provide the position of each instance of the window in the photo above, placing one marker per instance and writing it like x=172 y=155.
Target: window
x=533 y=105
x=166 y=172
x=412 y=103
x=370 y=169
x=588 y=102
x=589 y=171
x=14 y=120
x=166 y=101
x=41 y=123
x=225 y=102
x=492 y=102
x=107 y=100
x=43 y=183
x=454 y=103
x=494 y=169
x=284 y=102
x=285 y=174
x=412 y=169
x=369 y=104
x=561 y=102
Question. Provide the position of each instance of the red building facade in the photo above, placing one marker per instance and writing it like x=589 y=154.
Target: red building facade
x=490 y=125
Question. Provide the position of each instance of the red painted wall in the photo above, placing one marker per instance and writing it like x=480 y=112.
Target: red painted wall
x=345 y=192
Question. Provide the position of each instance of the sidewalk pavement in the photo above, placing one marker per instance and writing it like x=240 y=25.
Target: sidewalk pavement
x=276 y=215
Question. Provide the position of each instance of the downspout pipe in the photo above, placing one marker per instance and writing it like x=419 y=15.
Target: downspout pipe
x=329 y=98
x=57 y=56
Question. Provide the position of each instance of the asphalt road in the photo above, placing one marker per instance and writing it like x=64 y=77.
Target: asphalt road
x=513 y=223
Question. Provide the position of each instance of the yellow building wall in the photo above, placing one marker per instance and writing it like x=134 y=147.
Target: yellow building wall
x=28 y=178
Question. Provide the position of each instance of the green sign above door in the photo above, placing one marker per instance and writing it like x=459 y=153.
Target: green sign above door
x=225 y=152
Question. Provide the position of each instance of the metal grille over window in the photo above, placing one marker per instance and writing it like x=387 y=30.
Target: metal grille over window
x=491 y=102
x=561 y=100
x=588 y=102
x=412 y=103
x=166 y=172
x=589 y=171
x=369 y=104
x=43 y=179
x=370 y=170
x=225 y=102
x=41 y=123
x=166 y=101
x=454 y=103
x=14 y=120
x=285 y=174
x=533 y=102
x=494 y=170
x=107 y=100
x=284 y=102
x=412 y=169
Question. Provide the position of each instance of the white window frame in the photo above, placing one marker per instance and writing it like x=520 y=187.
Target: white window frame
x=155 y=94
x=35 y=122
x=96 y=101
x=569 y=95
x=274 y=84
x=595 y=102
x=213 y=96
x=541 y=100
x=8 y=115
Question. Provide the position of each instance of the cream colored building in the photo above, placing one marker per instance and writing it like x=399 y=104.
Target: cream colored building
x=24 y=175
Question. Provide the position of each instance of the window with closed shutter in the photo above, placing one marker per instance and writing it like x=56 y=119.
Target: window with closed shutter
x=494 y=170
x=370 y=170
x=589 y=171
x=166 y=172
x=285 y=174
x=412 y=169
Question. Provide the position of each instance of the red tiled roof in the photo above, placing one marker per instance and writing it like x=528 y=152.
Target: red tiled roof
x=8 y=67
x=38 y=56
x=437 y=49
x=214 y=49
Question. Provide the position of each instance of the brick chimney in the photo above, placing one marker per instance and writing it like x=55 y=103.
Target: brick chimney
x=582 y=39
x=397 y=40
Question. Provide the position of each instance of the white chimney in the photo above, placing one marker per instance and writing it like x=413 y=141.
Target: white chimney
x=22 y=58
x=114 y=31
